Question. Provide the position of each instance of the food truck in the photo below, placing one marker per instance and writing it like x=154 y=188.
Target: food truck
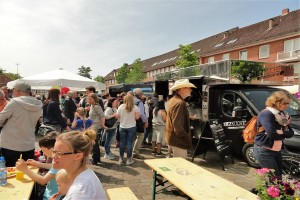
x=114 y=90
x=231 y=92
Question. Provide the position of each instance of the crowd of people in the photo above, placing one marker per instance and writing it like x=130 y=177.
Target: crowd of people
x=81 y=124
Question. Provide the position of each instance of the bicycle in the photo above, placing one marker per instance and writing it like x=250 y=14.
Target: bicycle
x=291 y=163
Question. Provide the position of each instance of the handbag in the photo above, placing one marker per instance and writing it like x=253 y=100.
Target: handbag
x=44 y=129
x=140 y=128
x=110 y=122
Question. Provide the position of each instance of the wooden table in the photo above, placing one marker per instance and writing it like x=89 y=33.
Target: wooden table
x=17 y=189
x=195 y=181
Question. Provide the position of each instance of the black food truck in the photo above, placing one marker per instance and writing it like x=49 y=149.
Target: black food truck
x=231 y=92
x=147 y=88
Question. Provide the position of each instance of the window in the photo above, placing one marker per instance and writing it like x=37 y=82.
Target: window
x=225 y=56
x=292 y=45
x=244 y=55
x=232 y=41
x=211 y=59
x=218 y=45
x=264 y=51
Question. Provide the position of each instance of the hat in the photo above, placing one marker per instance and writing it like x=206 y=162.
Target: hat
x=182 y=83
x=24 y=87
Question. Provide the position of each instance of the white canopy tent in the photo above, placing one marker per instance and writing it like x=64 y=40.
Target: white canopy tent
x=58 y=78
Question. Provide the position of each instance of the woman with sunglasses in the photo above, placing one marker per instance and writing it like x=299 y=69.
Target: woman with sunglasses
x=70 y=152
x=269 y=142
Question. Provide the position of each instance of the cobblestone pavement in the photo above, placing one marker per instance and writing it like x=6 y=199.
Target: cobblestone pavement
x=138 y=177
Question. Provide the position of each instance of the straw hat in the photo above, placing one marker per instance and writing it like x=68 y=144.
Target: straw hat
x=182 y=83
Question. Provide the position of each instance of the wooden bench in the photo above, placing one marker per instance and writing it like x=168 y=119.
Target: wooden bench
x=120 y=193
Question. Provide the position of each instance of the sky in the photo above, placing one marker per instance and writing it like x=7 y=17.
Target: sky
x=39 y=36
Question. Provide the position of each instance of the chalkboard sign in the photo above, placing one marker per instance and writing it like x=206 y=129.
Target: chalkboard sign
x=213 y=132
x=219 y=138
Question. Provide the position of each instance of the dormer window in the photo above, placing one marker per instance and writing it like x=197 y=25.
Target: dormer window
x=218 y=45
x=231 y=41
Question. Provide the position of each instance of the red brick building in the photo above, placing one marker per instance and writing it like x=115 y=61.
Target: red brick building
x=272 y=40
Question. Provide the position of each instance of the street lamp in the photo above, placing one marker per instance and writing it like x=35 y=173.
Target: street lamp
x=17 y=68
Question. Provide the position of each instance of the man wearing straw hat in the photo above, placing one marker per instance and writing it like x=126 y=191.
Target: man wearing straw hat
x=177 y=130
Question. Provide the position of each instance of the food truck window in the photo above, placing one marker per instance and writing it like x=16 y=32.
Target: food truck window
x=232 y=102
x=228 y=103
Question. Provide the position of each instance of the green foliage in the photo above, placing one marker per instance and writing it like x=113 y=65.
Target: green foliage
x=188 y=58
x=85 y=71
x=136 y=73
x=99 y=79
x=245 y=71
x=12 y=76
x=2 y=71
x=122 y=74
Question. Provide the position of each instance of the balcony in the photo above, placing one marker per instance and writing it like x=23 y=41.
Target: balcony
x=289 y=56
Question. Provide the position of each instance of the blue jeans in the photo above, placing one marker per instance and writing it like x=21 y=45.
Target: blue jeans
x=127 y=137
x=109 y=134
x=148 y=135
x=268 y=159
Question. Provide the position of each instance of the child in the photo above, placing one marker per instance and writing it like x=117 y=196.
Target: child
x=46 y=144
x=63 y=183
x=80 y=121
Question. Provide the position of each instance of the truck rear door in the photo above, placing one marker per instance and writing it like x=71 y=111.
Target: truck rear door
x=233 y=112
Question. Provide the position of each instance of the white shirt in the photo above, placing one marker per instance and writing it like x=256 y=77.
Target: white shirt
x=127 y=119
x=86 y=186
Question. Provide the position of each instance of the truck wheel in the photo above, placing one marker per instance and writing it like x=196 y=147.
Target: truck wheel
x=291 y=166
x=248 y=155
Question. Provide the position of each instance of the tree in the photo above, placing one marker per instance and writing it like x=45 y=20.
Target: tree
x=2 y=71
x=188 y=58
x=85 y=71
x=122 y=73
x=136 y=73
x=245 y=71
x=12 y=76
x=99 y=79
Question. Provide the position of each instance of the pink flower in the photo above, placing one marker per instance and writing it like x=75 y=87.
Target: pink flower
x=263 y=171
x=273 y=191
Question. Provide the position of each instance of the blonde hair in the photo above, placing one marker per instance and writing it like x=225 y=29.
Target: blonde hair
x=79 y=142
x=63 y=175
x=276 y=98
x=128 y=101
x=81 y=111
x=94 y=96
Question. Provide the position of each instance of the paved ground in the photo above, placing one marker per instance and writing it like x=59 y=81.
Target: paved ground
x=139 y=176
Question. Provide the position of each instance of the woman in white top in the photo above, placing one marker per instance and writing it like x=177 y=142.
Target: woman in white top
x=70 y=152
x=97 y=115
x=128 y=113
x=158 y=123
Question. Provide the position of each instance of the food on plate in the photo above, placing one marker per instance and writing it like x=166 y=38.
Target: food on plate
x=11 y=171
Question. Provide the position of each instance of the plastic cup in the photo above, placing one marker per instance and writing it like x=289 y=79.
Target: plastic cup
x=20 y=175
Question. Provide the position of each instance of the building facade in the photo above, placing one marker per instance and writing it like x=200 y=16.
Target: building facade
x=272 y=40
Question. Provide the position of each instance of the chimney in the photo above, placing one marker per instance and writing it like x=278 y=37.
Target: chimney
x=271 y=23
x=225 y=35
x=285 y=11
